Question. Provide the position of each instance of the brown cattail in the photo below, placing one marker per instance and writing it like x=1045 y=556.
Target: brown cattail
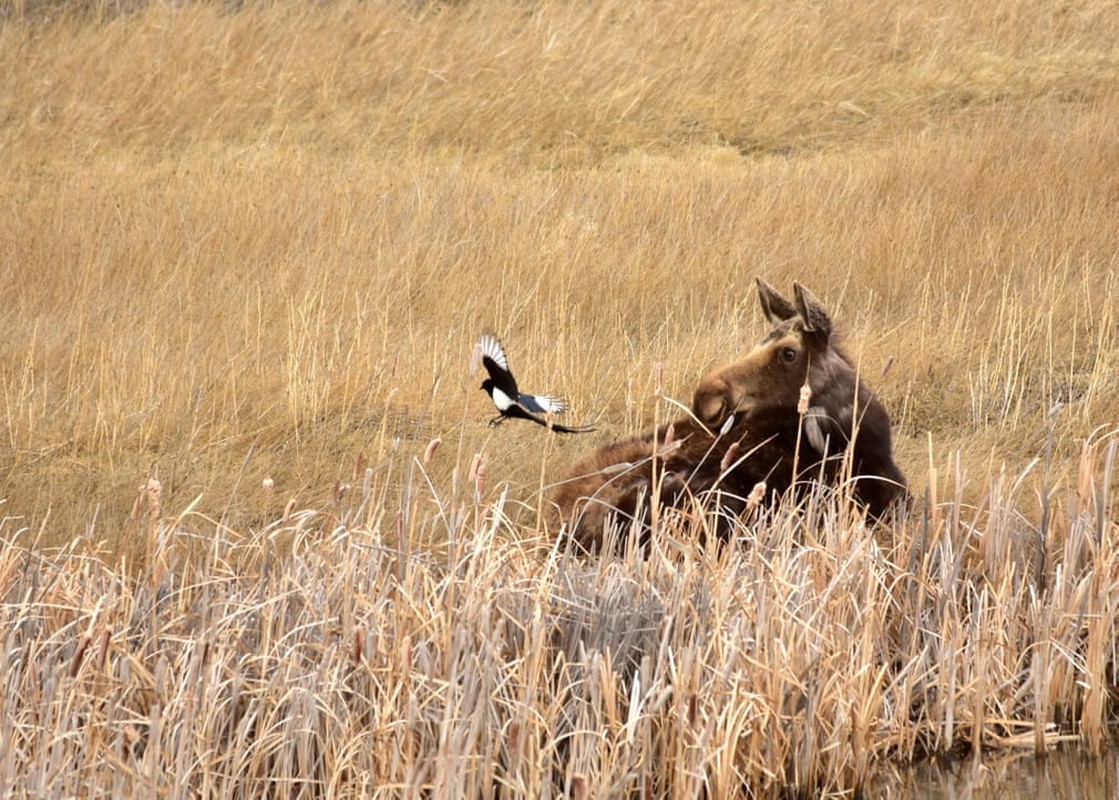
x=579 y=787
x=805 y=398
x=103 y=653
x=429 y=453
x=148 y=493
x=406 y=655
x=480 y=479
x=355 y=655
x=889 y=365
x=79 y=654
x=757 y=494
x=513 y=743
x=477 y=473
x=729 y=457
x=155 y=490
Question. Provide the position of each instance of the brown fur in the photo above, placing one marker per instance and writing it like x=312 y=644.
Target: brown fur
x=746 y=430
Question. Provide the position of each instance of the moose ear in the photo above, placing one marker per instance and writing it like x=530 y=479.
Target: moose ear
x=812 y=314
x=775 y=305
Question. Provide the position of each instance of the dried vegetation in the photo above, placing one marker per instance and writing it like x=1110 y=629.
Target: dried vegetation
x=246 y=250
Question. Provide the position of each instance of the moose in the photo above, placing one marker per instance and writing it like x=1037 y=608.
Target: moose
x=793 y=411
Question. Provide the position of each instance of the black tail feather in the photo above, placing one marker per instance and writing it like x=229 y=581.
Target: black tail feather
x=517 y=411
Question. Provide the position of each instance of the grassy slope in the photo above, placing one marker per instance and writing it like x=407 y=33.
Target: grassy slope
x=286 y=227
x=261 y=244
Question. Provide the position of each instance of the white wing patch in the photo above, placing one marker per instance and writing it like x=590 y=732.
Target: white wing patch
x=489 y=345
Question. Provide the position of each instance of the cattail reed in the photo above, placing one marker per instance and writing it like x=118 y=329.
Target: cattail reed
x=805 y=399
x=79 y=654
x=596 y=669
x=756 y=496
x=429 y=451
x=730 y=456
x=477 y=474
x=358 y=643
x=276 y=249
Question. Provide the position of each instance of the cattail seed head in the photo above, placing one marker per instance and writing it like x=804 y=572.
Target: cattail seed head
x=429 y=453
x=579 y=787
x=805 y=398
x=79 y=654
x=477 y=473
x=154 y=489
x=355 y=654
x=514 y=740
x=106 y=641
x=480 y=484
x=729 y=457
x=757 y=494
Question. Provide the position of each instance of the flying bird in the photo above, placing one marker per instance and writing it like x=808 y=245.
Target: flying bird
x=510 y=401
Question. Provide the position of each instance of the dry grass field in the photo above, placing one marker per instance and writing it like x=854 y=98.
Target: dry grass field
x=245 y=252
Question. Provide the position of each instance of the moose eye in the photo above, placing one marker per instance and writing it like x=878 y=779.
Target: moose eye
x=787 y=355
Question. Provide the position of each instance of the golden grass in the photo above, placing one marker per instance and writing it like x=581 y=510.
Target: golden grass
x=257 y=244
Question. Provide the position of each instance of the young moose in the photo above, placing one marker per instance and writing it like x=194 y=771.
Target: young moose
x=754 y=422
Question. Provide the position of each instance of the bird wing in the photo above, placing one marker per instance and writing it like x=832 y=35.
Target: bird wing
x=526 y=406
x=497 y=365
x=490 y=346
x=543 y=404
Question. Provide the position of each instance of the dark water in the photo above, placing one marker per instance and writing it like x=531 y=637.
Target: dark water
x=1062 y=775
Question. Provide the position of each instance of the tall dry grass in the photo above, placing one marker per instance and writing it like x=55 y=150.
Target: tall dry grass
x=260 y=243
x=246 y=252
x=329 y=655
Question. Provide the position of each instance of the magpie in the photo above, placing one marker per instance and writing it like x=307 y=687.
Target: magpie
x=502 y=389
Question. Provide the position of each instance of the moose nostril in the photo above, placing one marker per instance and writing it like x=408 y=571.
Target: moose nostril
x=710 y=407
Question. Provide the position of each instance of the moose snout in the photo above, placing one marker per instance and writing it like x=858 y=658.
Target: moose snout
x=712 y=401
